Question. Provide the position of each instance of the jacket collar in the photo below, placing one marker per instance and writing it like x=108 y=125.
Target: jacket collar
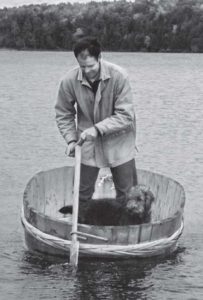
x=104 y=73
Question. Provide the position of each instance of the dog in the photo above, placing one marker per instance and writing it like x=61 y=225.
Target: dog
x=135 y=209
x=138 y=206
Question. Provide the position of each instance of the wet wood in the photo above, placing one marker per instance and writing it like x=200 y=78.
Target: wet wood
x=145 y=233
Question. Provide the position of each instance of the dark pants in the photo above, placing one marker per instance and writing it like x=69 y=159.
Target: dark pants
x=124 y=177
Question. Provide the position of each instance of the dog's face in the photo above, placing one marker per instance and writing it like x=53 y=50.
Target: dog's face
x=139 y=200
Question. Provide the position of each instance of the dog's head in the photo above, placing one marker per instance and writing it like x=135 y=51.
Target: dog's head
x=139 y=200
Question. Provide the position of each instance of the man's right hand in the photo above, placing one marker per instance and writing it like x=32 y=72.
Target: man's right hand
x=70 y=150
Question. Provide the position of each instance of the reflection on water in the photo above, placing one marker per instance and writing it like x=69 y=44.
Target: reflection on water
x=168 y=91
x=100 y=279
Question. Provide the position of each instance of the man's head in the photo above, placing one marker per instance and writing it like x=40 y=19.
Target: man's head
x=88 y=53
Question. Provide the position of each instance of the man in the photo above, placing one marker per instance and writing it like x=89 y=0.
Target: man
x=104 y=116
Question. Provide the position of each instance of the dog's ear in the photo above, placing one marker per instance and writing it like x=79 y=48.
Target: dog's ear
x=149 y=197
x=152 y=196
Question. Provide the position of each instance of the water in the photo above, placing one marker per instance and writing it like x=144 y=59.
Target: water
x=168 y=92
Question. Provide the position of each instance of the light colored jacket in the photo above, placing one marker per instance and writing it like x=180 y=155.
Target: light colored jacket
x=110 y=110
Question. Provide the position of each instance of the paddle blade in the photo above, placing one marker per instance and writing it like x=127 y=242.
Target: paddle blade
x=74 y=251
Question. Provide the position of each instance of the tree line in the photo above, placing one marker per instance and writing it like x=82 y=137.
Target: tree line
x=142 y=25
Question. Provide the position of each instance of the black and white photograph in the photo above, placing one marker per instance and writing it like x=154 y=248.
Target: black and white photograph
x=101 y=149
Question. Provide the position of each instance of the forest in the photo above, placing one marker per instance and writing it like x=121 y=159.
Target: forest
x=140 y=25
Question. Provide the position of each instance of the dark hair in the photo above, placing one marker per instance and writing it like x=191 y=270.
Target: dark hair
x=87 y=43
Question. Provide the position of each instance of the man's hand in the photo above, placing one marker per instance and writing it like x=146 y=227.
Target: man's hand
x=89 y=134
x=70 y=150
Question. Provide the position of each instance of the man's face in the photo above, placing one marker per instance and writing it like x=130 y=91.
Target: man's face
x=89 y=65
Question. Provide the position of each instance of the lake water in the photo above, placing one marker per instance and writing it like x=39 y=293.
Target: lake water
x=168 y=93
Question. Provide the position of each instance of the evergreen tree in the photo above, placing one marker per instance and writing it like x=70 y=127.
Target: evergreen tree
x=142 y=25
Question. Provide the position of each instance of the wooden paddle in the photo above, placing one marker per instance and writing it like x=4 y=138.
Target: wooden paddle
x=74 y=248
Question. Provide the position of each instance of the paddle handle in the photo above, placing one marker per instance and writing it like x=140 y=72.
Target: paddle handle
x=74 y=249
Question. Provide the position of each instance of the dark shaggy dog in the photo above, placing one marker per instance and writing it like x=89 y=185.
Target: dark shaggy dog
x=136 y=209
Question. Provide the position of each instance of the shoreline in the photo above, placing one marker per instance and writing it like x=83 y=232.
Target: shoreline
x=103 y=51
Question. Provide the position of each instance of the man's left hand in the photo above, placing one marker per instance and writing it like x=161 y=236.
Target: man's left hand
x=89 y=134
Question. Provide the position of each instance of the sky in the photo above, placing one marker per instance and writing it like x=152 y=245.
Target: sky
x=12 y=3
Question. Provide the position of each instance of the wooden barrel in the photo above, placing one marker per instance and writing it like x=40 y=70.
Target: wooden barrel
x=47 y=231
